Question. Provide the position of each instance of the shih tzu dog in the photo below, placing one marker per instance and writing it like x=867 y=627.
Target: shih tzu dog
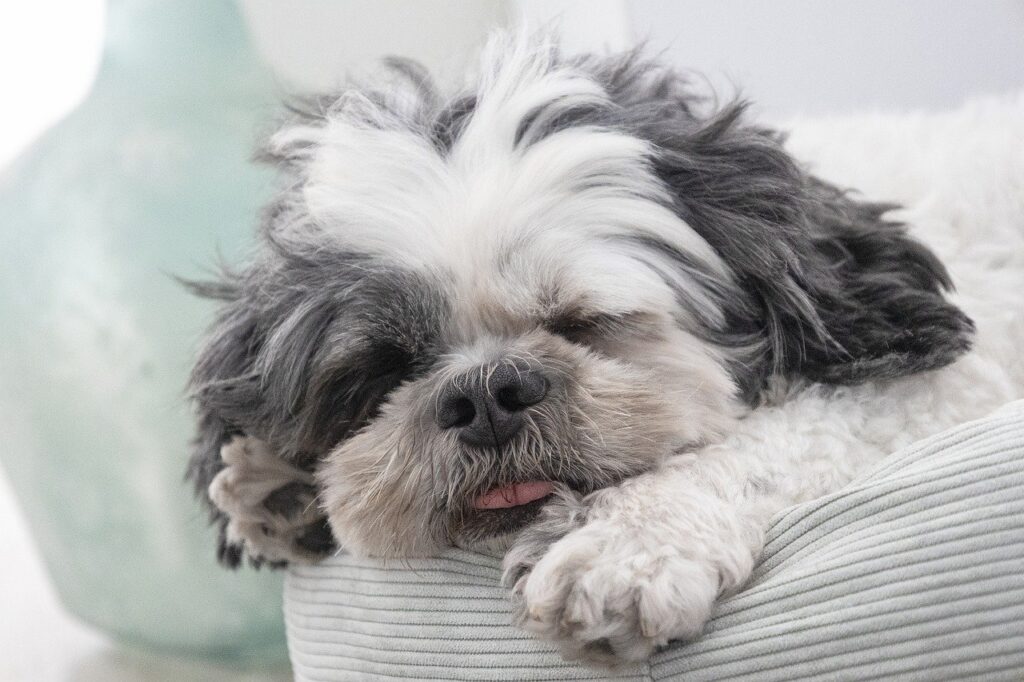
x=530 y=317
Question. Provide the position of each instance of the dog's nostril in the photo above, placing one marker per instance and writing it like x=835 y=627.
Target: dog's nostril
x=456 y=413
x=464 y=412
x=508 y=399
x=529 y=389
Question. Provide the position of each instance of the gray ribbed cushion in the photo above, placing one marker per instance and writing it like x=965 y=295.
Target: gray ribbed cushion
x=916 y=571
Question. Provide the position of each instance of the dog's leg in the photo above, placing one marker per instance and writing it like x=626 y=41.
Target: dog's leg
x=270 y=505
x=642 y=563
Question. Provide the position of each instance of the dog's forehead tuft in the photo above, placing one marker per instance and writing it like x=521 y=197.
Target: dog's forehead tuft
x=521 y=186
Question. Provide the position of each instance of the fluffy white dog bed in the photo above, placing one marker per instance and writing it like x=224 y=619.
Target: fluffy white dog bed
x=913 y=570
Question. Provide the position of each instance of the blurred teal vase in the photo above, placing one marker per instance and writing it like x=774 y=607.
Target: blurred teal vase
x=148 y=178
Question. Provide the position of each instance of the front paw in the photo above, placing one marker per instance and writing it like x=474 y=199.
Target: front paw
x=269 y=505
x=605 y=595
x=641 y=565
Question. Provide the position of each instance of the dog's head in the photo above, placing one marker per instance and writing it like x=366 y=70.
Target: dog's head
x=556 y=277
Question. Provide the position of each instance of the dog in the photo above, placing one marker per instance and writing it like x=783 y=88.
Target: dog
x=560 y=315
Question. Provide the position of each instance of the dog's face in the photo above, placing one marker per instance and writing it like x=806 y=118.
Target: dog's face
x=553 y=280
x=552 y=362
x=509 y=300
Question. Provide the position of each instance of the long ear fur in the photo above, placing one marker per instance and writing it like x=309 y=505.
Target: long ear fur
x=888 y=317
x=835 y=293
x=230 y=396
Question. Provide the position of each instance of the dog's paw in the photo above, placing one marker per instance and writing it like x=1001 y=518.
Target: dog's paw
x=637 y=566
x=605 y=596
x=270 y=506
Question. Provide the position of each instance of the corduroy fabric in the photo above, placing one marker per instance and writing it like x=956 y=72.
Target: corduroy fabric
x=913 y=572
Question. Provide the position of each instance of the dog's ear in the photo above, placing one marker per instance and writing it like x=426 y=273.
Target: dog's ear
x=830 y=290
x=878 y=293
x=262 y=504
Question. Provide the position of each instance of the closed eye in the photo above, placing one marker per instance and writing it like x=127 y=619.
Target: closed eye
x=586 y=328
x=350 y=396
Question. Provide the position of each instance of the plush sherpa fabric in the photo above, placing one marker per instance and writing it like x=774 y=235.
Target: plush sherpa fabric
x=911 y=571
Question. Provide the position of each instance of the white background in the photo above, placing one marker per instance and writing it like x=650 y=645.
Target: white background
x=790 y=56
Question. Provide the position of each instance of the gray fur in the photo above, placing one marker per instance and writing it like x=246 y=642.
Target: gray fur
x=306 y=345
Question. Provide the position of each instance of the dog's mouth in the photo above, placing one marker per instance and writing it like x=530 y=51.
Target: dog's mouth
x=504 y=509
x=514 y=495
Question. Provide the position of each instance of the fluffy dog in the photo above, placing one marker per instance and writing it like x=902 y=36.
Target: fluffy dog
x=558 y=314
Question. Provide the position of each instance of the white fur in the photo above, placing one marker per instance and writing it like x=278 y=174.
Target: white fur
x=553 y=209
x=373 y=181
x=660 y=548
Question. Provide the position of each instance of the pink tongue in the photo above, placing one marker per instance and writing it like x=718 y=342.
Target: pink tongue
x=513 y=495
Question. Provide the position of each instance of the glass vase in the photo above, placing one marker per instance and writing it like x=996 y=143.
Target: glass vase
x=146 y=179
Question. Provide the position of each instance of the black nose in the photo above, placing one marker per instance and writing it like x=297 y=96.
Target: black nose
x=486 y=406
